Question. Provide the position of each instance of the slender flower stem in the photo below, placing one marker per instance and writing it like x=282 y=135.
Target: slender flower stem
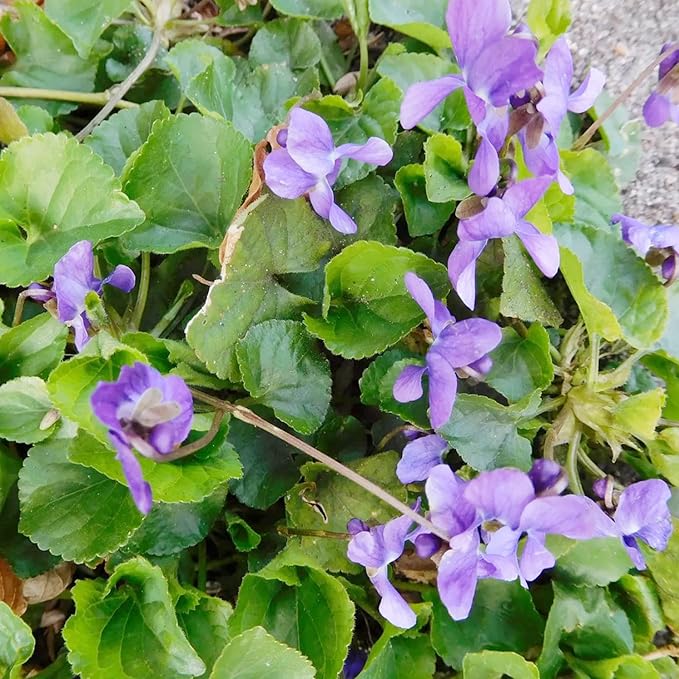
x=19 y=308
x=593 y=373
x=143 y=292
x=247 y=416
x=582 y=140
x=591 y=466
x=364 y=57
x=195 y=446
x=94 y=98
x=572 y=463
x=304 y=532
x=183 y=294
x=125 y=86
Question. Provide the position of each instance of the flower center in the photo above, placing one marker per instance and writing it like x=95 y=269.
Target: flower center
x=148 y=412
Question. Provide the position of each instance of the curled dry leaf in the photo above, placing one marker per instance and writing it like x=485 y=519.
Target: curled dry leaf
x=11 y=589
x=48 y=585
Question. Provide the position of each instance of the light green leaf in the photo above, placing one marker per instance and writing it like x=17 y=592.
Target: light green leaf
x=423 y=217
x=670 y=339
x=35 y=118
x=315 y=9
x=189 y=178
x=126 y=627
x=84 y=21
x=548 y=19
x=523 y=293
x=366 y=306
x=664 y=454
x=597 y=196
x=12 y=127
x=24 y=403
x=400 y=657
x=70 y=510
x=118 y=137
x=277 y=237
x=342 y=500
x=282 y=369
x=618 y=295
x=188 y=479
x=33 y=348
x=16 y=643
x=592 y=562
x=45 y=57
x=292 y=42
x=55 y=192
x=444 y=169
x=503 y=618
x=255 y=654
x=495 y=665
x=521 y=364
x=624 y=667
x=189 y=58
x=422 y=20
x=639 y=414
x=663 y=568
x=244 y=537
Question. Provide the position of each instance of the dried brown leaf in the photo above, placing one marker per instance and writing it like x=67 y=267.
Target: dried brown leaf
x=48 y=585
x=11 y=589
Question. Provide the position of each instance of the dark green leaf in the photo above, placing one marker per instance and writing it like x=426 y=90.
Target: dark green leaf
x=9 y=471
x=624 y=667
x=244 y=537
x=286 y=41
x=663 y=568
x=16 y=643
x=24 y=403
x=444 y=169
x=316 y=9
x=400 y=657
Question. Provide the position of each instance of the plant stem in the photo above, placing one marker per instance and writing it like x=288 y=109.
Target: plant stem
x=94 y=98
x=365 y=57
x=125 y=86
x=247 y=416
x=185 y=292
x=582 y=140
x=143 y=292
x=202 y=565
x=195 y=446
x=572 y=463
x=590 y=465
x=304 y=532
x=593 y=373
x=19 y=308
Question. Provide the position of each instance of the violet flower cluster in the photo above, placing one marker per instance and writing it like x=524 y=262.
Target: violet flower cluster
x=147 y=412
x=72 y=281
x=497 y=525
x=663 y=104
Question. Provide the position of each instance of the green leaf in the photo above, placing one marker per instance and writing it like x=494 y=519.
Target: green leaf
x=84 y=21
x=126 y=626
x=670 y=340
x=269 y=469
x=366 y=306
x=244 y=537
x=204 y=621
x=423 y=217
x=282 y=369
x=315 y=9
x=638 y=596
x=503 y=618
x=16 y=643
x=341 y=500
x=639 y=414
x=118 y=137
x=232 y=15
x=76 y=198
x=548 y=19
x=277 y=237
x=24 y=403
x=496 y=665
x=33 y=348
x=424 y=21
x=189 y=178
x=625 y=667
x=292 y=42
x=521 y=364
x=444 y=169
x=170 y=528
x=188 y=479
x=12 y=126
x=35 y=118
x=523 y=293
x=618 y=295
x=485 y=434
x=255 y=654
x=45 y=57
x=592 y=562
x=400 y=657
x=664 y=454
x=9 y=471
x=597 y=196
x=296 y=611
x=663 y=567
x=586 y=622
x=70 y=510
x=72 y=383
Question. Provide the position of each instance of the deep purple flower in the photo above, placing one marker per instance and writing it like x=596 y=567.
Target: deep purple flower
x=643 y=238
x=309 y=164
x=456 y=346
x=375 y=548
x=663 y=104
x=548 y=477
x=502 y=217
x=494 y=65
x=420 y=456
x=643 y=514
x=146 y=411
x=73 y=279
x=354 y=663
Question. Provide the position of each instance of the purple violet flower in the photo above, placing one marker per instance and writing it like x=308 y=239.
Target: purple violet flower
x=501 y=217
x=73 y=279
x=146 y=411
x=494 y=65
x=309 y=164
x=644 y=238
x=456 y=346
x=375 y=548
x=643 y=514
x=420 y=456
x=663 y=103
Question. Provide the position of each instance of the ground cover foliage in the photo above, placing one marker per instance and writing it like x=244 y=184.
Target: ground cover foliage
x=325 y=350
